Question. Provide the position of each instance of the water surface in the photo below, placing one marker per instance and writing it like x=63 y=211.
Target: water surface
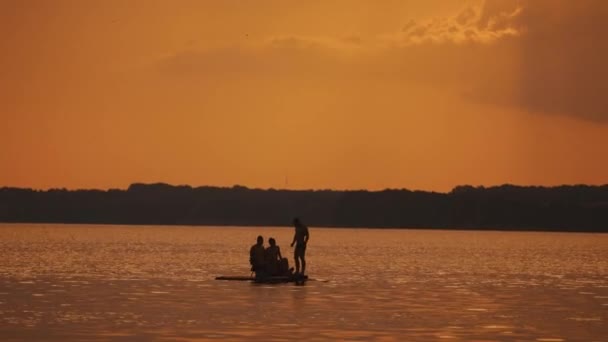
x=124 y=283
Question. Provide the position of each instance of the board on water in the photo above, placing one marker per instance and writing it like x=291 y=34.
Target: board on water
x=267 y=280
x=237 y=278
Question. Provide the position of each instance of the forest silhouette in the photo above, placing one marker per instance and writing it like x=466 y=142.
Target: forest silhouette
x=507 y=207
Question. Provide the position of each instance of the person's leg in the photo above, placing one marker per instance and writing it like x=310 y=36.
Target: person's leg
x=296 y=257
x=303 y=257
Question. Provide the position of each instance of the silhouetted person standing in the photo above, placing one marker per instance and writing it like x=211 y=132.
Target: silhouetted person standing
x=300 y=238
x=257 y=254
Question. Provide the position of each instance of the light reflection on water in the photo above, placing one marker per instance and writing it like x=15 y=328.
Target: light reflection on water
x=123 y=283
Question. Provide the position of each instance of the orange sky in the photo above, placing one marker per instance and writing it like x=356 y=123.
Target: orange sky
x=326 y=94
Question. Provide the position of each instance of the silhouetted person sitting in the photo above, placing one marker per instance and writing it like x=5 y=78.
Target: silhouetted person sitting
x=300 y=238
x=257 y=257
x=273 y=257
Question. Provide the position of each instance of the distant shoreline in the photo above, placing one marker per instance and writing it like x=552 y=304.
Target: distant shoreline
x=578 y=208
x=475 y=230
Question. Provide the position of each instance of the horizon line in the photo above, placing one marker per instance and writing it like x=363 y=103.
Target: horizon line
x=304 y=189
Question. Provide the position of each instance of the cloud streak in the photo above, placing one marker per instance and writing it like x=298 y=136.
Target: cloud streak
x=477 y=23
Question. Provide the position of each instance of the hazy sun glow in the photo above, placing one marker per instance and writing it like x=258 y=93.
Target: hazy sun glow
x=303 y=94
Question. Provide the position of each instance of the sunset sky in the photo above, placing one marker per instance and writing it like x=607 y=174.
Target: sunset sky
x=343 y=94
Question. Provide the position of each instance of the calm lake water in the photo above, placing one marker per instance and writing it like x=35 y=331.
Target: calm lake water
x=124 y=283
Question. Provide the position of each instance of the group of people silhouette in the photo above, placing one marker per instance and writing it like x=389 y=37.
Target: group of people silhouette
x=268 y=262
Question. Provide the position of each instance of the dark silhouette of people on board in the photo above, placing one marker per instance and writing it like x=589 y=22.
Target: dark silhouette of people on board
x=257 y=256
x=300 y=239
x=268 y=262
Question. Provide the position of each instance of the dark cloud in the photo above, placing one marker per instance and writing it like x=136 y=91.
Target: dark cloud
x=558 y=53
x=563 y=58
x=543 y=56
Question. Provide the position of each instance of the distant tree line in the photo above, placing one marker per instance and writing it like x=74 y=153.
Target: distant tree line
x=507 y=207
